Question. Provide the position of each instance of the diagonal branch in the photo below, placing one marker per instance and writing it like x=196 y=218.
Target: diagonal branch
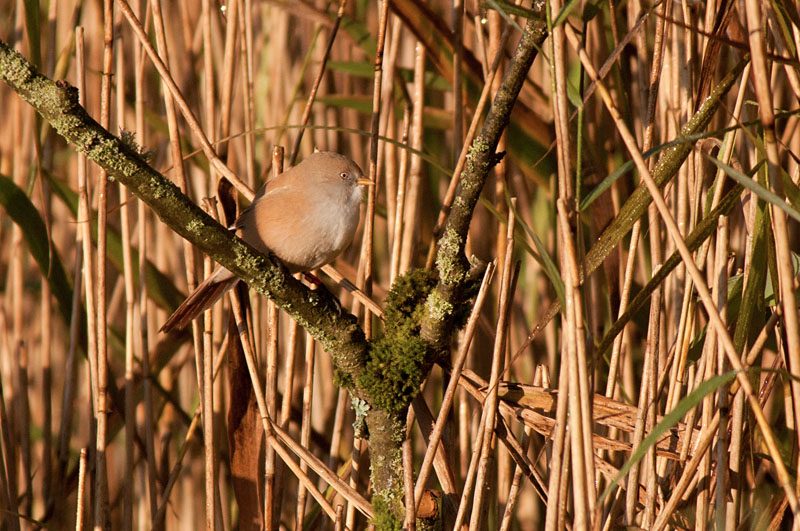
x=317 y=311
x=451 y=263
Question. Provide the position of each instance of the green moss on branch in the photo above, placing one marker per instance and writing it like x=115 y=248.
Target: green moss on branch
x=452 y=266
x=395 y=367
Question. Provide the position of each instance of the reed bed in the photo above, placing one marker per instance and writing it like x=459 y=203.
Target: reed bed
x=621 y=350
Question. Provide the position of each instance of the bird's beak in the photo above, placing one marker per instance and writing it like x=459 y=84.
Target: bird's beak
x=364 y=181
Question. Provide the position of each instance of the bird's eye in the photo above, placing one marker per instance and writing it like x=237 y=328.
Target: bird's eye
x=344 y=175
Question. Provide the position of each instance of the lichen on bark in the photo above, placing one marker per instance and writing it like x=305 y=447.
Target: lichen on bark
x=451 y=263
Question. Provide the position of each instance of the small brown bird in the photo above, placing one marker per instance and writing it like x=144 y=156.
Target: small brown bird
x=306 y=216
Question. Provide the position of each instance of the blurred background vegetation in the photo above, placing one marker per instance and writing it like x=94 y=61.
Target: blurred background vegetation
x=633 y=383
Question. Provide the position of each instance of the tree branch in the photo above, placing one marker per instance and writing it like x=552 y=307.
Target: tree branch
x=451 y=263
x=316 y=311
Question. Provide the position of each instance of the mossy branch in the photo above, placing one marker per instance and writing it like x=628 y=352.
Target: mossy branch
x=451 y=263
x=316 y=311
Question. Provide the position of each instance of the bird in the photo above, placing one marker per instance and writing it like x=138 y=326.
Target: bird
x=306 y=217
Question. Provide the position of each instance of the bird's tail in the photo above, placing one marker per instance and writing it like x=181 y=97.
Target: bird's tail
x=201 y=299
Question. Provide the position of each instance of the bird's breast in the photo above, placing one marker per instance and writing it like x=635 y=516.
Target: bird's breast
x=304 y=234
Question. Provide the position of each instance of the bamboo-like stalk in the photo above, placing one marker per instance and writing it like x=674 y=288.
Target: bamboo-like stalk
x=558 y=454
x=324 y=472
x=130 y=300
x=288 y=394
x=305 y=426
x=191 y=430
x=228 y=77
x=208 y=99
x=9 y=447
x=7 y=486
x=18 y=353
x=84 y=213
x=400 y=198
x=469 y=479
x=468 y=138
x=263 y=57
x=410 y=522
x=760 y=78
x=100 y=474
x=708 y=362
x=48 y=485
x=578 y=465
x=447 y=399
x=649 y=121
x=269 y=428
x=206 y=391
x=721 y=457
x=348 y=286
x=248 y=72
x=441 y=460
x=498 y=357
x=337 y=428
x=702 y=289
x=355 y=469
x=338 y=523
x=410 y=212
x=141 y=317
x=272 y=378
x=372 y=171
x=388 y=150
x=315 y=85
x=188 y=115
x=80 y=511
x=457 y=19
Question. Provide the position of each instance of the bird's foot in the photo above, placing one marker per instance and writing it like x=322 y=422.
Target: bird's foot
x=311 y=278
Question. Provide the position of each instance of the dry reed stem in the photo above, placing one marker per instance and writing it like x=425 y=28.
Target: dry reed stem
x=245 y=19
x=228 y=76
x=698 y=280
x=411 y=213
x=514 y=490
x=410 y=522
x=721 y=455
x=462 y=157
x=447 y=399
x=206 y=392
x=275 y=433
x=400 y=198
x=85 y=242
x=558 y=456
x=372 y=172
x=441 y=459
x=470 y=475
x=272 y=378
x=312 y=93
x=305 y=425
x=101 y=441
x=791 y=322
x=273 y=61
x=186 y=111
x=268 y=429
x=141 y=318
x=496 y=41
x=358 y=294
x=365 y=260
x=349 y=493
x=130 y=301
x=9 y=487
x=498 y=357
x=190 y=431
x=79 y=513
x=581 y=481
